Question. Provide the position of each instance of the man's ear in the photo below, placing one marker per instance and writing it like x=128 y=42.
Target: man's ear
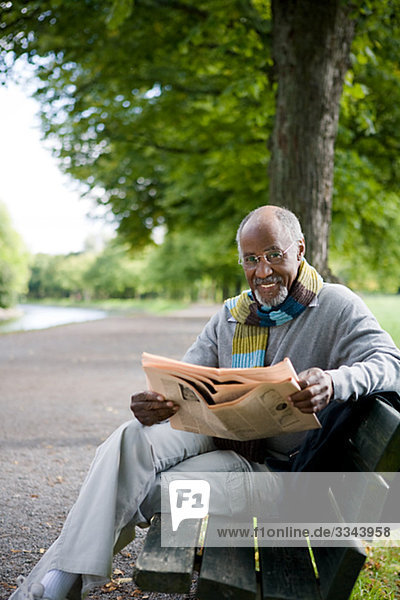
x=301 y=249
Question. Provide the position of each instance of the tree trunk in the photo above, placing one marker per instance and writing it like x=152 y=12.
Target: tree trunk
x=311 y=48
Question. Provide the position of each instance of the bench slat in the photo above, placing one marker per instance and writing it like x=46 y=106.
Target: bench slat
x=287 y=573
x=227 y=573
x=166 y=569
x=377 y=439
x=338 y=569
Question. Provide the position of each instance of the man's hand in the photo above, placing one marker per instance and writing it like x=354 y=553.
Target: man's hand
x=316 y=391
x=150 y=408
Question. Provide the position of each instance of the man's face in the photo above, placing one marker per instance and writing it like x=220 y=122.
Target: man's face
x=270 y=283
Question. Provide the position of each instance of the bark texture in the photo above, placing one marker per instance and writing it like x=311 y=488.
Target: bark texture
x=311 y=48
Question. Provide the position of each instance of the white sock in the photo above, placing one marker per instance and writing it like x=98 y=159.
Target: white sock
x=57 y=584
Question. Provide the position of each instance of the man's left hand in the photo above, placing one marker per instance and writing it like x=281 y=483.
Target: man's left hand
x=316 y=391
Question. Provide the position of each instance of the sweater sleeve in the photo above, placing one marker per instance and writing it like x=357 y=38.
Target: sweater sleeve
x=213 y=347
x=367 y=358
x=204 y=351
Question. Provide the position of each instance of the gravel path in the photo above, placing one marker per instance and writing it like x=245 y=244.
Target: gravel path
x=63 y=391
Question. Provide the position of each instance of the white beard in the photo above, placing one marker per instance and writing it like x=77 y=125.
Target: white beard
x=279 y=298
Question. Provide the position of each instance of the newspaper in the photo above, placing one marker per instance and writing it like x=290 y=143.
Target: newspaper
x=237 y=404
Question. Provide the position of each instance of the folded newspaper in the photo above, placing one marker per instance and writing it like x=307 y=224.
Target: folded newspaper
x=238 y=404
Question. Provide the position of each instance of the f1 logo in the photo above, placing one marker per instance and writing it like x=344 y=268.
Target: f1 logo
x=189 y=499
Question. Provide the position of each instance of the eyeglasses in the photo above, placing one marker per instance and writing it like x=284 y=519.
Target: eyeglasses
x=274 y=257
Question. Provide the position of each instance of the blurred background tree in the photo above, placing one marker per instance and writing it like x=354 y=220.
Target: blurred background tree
x=60 y=276
x=166 y=112
x=114 y=274
x=14 y=270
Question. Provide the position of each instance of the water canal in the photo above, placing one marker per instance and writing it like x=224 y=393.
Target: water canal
x=34 y=316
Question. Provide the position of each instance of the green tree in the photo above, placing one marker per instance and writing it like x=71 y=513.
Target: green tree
x=114 y=274
x=165 y=110
x=60 y=276
x=13 y=262
x=193 y=267
x=366 y=208
x=70 y=275
x=41 y=281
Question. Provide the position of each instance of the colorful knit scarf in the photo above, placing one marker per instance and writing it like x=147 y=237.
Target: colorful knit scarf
x=251 y=333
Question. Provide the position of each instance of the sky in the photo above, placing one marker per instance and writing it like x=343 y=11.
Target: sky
x=44 y=204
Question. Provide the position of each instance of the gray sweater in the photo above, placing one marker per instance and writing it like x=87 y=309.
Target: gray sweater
x=337 y=333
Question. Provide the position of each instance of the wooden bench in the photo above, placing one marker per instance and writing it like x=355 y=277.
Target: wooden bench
x=284 y=573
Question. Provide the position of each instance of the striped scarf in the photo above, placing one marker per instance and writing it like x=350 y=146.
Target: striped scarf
x=253 y=322
x=251 y=337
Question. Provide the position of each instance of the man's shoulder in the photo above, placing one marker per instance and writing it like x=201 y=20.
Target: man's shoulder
x=223 y=315
x=341 y=296
x=336 y=290
x=220 y=317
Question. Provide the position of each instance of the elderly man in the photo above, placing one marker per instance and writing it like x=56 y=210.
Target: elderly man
x=334 y=343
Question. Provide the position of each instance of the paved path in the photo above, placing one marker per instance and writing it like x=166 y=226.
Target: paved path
x=62 y=392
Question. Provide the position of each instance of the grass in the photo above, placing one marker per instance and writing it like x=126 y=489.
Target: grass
x=386 y=308
x=380 y=577
x=116 y=305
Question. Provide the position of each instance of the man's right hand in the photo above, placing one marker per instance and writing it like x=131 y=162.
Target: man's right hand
x=150 y=408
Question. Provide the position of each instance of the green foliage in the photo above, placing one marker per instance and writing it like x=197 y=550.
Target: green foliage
x=366 y=211
x=365 y=232
x=113 y=274
x=164 y=111
x=194 y=267
x=109 y=274
x=13 y=262
x=169 y=271
x=165 y=107
x=59 y=276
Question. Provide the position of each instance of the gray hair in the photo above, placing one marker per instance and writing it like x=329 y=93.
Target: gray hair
x=287 y=218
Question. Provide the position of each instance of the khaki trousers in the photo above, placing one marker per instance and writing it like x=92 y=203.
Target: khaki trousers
x=121 y=490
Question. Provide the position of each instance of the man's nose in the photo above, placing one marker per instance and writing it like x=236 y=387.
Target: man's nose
x=264 y=268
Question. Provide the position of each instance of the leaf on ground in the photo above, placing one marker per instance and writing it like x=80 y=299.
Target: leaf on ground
x=111 y=586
